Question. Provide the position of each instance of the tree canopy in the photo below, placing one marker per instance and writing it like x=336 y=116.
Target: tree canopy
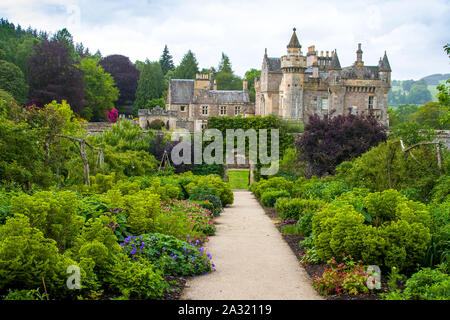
x=166 y=61
x=188 y=67
x=54 y=75
x=13 y=81
x=100 y=91
x=151 y=84
x=125 y=76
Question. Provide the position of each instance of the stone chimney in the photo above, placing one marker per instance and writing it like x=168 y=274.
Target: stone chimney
x=244 y=84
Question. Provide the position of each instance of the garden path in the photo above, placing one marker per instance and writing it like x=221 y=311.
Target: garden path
x=252 y=260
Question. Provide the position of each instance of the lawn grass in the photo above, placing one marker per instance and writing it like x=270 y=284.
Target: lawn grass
x=238 y=179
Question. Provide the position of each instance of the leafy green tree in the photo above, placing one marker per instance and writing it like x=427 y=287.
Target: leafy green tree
x=402 y=114
x=225 y=78
x=188 y=67
x=419 y=94
x=151 y=84
x=429 y=115
x=250 y=75
x=100 y=91
x=13 y=81
x=225 y=64
x=166 y=61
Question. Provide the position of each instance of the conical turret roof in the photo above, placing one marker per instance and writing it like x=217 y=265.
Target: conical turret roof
x=334 y=63
x=294 y=43
x=385 y=66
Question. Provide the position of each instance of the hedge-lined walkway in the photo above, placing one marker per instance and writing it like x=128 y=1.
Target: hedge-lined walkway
x=252 y=260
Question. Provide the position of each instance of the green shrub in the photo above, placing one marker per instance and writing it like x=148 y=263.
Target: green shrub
x=26 y=257
x=277 y=183
x=54 y=213
x=141 y=209
x=304 y=224
x=137 y=279
x=269 y=198
x=427 y=284
x=439 y=248
x=223 y=190
x=397 y=233
x=202 y=193
x=25 y=295
x=173 y=256
x=293 y=208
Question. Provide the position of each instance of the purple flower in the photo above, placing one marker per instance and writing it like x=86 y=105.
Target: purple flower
x=133 y=251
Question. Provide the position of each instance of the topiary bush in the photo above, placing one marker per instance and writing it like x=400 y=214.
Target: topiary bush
x=269 y=197
x=397 y=233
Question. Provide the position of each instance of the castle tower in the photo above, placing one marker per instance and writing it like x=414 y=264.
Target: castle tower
x=359 y=62
x=293 y=67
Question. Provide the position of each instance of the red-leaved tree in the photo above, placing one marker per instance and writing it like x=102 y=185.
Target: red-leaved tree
x=329 y=141
x=125 y=76
x=54 y=75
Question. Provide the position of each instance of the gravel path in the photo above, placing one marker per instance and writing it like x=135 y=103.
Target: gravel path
x=252 y=260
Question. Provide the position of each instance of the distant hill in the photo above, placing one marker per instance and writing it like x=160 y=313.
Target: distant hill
x=415 y=91
x=435 y=79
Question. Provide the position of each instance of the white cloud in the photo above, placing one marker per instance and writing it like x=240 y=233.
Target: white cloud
x=412 y=32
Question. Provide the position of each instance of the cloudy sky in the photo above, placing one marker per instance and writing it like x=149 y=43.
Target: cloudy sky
x=412 y=32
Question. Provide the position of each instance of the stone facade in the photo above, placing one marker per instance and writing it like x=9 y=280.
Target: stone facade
x=190 y=103
x=296 y=86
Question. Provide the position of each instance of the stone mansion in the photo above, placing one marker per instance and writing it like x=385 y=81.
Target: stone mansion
x=294 y=87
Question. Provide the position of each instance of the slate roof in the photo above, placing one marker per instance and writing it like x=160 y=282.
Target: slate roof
x=274 y=64
x=230 y=96
x=334 y=63
x=181 y=91
x=384 y=65
x=366 y=72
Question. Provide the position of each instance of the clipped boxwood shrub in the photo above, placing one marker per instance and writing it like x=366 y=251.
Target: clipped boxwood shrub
x=269 y=198
x=397 y=233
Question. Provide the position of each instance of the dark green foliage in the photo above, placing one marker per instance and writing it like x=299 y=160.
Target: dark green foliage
x=188 y=67
x=166 y=61
x=151 y=84
x=203 y=192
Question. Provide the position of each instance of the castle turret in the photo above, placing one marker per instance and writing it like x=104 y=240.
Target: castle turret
x=359 y=62
x=293 y=66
